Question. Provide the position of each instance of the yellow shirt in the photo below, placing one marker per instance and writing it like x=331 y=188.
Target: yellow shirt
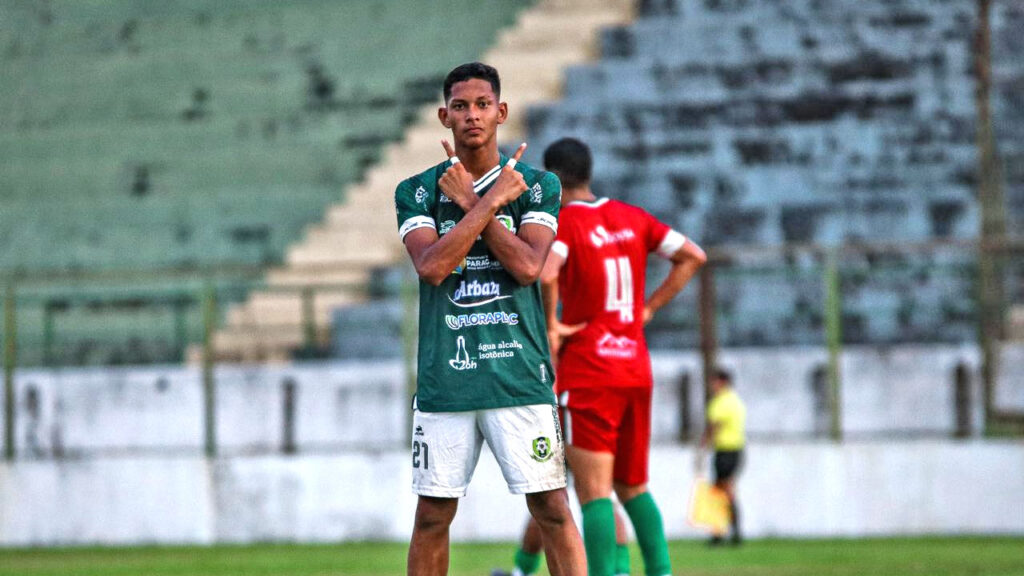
x=728 y=415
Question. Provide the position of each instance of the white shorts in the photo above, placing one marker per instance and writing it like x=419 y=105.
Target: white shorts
x=526 y=441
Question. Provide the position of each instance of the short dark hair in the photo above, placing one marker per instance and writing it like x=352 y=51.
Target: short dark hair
x=469 y=71
x=570 y=160
x=723 y=375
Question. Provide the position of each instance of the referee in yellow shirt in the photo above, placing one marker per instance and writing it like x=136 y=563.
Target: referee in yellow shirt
x=725 y=429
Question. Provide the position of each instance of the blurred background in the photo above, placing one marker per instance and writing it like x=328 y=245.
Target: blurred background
x=209 y=319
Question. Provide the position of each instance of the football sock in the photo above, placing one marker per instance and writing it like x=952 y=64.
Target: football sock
x=599 y=537
x=621 y=559
x=650 y=534
x=527 y=563
x=734 y=508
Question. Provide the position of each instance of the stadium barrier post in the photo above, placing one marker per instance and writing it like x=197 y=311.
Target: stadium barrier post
x=409 y=324
x=833 y=339
x=685 y=422
x=209 y=391
x=288 y=418
x=962 y=400
x=181 y=305
x=309 y=319
x=708 y=325
x=10 y=359
x=49 y=332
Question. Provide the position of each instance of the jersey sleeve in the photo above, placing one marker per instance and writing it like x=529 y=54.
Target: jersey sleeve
x=545 y=199
x=412 y=207
x=662 y=239
x=563 y=240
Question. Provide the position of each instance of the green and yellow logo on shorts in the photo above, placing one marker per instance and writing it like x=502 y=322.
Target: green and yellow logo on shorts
x=541 y=449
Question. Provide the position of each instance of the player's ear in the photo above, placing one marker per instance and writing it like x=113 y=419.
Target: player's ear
x=442 y=115
x=502 y=112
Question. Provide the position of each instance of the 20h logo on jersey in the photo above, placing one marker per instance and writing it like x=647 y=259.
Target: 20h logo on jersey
x=462 y=361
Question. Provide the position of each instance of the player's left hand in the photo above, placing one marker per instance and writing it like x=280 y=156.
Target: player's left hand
x=457 y=182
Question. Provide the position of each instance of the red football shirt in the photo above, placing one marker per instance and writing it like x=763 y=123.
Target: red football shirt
x=605 y=245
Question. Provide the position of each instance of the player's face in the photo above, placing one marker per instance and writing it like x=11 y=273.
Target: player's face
x=473 y=113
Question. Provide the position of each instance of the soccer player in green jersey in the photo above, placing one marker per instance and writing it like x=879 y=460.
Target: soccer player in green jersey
x=478 y=228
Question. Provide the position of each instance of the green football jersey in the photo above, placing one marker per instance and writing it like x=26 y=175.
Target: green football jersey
x=482 y=337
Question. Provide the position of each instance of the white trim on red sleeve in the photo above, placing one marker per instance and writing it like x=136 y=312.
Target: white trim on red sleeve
x=671 y=244
x=560 y=248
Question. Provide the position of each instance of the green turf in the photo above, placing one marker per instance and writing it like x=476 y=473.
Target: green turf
x=875 y=557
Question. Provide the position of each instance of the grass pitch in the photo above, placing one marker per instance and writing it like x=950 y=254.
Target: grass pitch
x=874 y=557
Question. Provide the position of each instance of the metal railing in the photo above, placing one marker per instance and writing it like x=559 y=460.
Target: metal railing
x=57 y=320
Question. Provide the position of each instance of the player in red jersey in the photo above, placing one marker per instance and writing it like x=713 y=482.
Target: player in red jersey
x=598 y=265
x=597 y=268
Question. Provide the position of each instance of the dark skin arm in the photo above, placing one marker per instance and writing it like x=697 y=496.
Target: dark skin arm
x=685 y=263
x=521 y=255
x=434 y=258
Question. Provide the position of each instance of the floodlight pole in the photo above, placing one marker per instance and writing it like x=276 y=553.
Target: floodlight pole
x=993 y=217
x=409 y=325
x=708 y=327
x=209 y=385
x=834 y=341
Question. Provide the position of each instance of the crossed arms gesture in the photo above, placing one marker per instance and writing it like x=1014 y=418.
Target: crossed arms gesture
x=521 y=255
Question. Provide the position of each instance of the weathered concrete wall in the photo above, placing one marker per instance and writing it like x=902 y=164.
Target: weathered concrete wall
x=902 y=390
x=789 y=489
x=132 y=470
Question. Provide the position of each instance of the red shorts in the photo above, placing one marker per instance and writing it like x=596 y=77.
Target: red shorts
x=611 y=419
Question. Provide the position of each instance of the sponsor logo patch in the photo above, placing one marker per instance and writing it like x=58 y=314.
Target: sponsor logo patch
x=421 y=195
x=480 y=319
x=503 y=349
x=536 y=194
x=462 y=361
x=616 y=347
x=476 y=293
x=601 y=236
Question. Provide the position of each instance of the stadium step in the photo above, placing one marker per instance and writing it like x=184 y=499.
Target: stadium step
x=297 y=277
x=361 y=232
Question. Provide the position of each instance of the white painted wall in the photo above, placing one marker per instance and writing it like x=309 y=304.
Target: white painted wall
x=814 y=489
x=132 y=441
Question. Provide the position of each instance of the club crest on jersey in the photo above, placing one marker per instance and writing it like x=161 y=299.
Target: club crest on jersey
x=445 y=227
x=601 y=236
x=476 y=293
x=507 y=222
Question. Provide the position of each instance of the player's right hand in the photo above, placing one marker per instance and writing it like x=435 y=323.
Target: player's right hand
x=457 y=182
x=510 y=184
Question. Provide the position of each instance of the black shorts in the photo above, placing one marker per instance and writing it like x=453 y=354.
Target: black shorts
x=727 y=464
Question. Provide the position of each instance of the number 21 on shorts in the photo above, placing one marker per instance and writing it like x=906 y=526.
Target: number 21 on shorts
x=619 y=294
x=420 y=455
